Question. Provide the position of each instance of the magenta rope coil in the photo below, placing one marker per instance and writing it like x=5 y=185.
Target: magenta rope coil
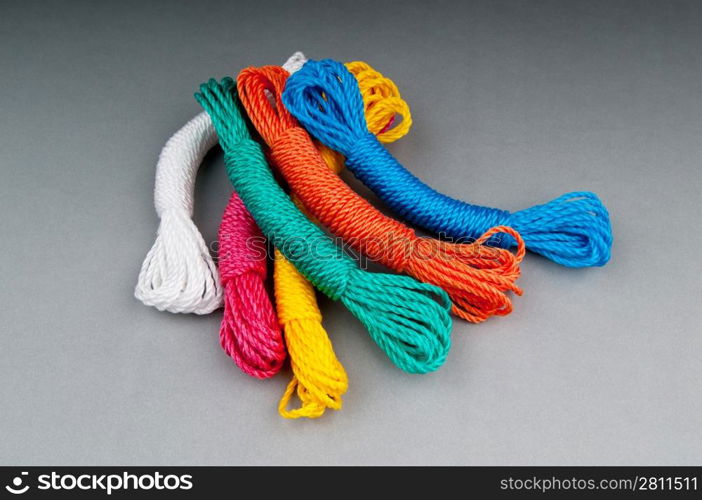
x=250 y=332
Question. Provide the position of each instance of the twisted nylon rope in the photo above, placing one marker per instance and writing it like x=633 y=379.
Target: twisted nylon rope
x=408 y=320
x=178 y=274
x=249 y=332
x=383 y=103
x=319 y=379
x=474 y=276
x=572 y=230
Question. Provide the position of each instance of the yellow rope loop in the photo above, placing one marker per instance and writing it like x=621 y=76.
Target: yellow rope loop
x=319 y=379
x=383 y=103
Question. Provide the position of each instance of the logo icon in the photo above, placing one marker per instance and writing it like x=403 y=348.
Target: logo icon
x=16 y=489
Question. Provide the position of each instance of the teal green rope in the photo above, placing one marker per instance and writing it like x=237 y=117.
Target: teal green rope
x=409 y=320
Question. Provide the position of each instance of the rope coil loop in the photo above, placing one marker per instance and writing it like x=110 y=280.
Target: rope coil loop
x=249 y=332
x=573 y=230
x=178 y=274
x=407 y=319
x=319 y=380
x=475 y=276
x=383 y=103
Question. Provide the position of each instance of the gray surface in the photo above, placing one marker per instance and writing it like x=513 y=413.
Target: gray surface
x=514 y=103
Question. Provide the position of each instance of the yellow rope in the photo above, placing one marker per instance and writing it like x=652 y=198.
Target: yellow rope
x=319 y=378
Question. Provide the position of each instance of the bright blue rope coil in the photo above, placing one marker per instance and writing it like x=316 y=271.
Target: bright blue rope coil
x=573 y=230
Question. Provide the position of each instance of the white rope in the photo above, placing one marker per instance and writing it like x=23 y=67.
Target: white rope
x=295 y=62
x=178 y=274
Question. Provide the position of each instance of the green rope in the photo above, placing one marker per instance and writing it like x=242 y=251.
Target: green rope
x=409 y=320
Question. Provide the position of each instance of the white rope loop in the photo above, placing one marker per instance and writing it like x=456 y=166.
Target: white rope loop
x=178 y=274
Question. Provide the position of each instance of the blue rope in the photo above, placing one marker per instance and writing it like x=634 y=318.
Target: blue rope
x=572 y=230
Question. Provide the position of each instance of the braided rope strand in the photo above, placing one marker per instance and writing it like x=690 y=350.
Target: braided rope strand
x=178 y=274
x=572 y=230
x=249 y=332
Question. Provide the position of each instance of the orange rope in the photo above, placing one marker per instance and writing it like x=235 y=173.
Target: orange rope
x=474 y=275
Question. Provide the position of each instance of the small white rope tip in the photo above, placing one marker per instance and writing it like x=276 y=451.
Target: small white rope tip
x=295 y=62
x=178 y=274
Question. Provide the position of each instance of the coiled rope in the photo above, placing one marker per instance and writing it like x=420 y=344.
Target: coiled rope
x=572 y=230
x=319 y=379
x=178 y=274
x=408 y=320
x=249 y=332
x=476 y=277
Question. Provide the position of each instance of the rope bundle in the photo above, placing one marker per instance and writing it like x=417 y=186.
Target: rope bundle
x=178 y=274
x=350 y=111
x=408 y=320
x=249 y=332
x=572 y=230
x=474 y=276
x=319 y=379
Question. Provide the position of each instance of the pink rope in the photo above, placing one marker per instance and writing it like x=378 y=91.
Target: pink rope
x=250 y=332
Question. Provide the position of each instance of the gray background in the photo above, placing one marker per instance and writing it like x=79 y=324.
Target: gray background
x=514 y=103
